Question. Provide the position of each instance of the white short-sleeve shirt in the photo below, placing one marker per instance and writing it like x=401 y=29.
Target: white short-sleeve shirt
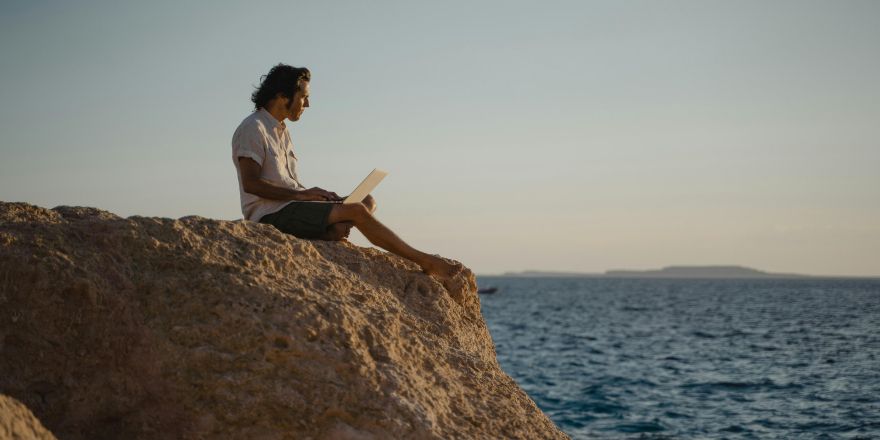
x=266 y=140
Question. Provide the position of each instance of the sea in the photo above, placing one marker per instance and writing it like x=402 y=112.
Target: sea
x=693 y=359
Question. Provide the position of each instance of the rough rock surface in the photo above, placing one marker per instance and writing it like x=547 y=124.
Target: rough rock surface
x=144 y=328
x=18 y=423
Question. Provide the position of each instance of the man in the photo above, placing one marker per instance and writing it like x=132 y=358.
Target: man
x=271 y=192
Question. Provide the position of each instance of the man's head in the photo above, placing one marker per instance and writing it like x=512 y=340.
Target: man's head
x=284 y=88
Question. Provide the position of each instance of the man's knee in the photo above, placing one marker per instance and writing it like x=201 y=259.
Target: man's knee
x=370 y=203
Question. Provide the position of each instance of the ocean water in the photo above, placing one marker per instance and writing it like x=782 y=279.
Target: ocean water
x=657 y=359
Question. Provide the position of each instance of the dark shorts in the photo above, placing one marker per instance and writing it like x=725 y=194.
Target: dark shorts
x=301 y=219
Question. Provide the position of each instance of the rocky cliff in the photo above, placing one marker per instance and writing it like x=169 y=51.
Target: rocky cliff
x=153 y=328
x=18 y=423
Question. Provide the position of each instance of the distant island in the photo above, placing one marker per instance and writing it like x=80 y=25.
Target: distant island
x=695 y=272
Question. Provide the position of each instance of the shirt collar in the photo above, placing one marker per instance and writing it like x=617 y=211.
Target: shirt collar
x=270 y=120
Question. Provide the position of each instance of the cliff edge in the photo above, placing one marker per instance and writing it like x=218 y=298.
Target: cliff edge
x=149 y=328
x=18 y=423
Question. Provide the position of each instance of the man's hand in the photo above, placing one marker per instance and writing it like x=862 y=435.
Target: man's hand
x=319 y=194
x=252 y=183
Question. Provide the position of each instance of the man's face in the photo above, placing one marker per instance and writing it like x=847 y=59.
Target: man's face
x=298 y=104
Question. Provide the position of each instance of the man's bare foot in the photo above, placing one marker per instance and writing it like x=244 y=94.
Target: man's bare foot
x=440 y=269
x=338 y=231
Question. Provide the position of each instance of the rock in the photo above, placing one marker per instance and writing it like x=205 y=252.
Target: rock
x=18 y=423
x=153 y=328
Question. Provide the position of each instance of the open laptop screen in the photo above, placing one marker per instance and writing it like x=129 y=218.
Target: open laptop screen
x=366 y=186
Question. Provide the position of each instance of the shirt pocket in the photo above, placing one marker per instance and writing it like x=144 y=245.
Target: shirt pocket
x=291 y=166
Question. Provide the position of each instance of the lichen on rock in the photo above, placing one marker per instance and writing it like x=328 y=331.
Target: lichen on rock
x=153 y=328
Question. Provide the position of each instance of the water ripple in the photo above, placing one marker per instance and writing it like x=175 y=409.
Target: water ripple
x=657 y=359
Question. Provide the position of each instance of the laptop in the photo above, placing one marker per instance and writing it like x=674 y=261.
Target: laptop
x=367 y=186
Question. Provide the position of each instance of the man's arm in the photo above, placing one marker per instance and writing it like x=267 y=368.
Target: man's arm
x=253 y=184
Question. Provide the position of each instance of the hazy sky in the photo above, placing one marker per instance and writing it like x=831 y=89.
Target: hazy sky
x=575 y=136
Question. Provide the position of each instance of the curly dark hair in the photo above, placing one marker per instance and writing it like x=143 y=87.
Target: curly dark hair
x=283 y=79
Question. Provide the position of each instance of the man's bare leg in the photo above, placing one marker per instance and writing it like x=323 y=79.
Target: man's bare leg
x=381 y=236
x=340 y=231
x=337 y=231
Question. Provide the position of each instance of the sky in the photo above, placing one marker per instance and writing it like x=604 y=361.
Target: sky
x=559 y=135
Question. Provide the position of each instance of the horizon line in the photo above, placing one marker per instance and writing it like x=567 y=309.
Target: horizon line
x=646 y=273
